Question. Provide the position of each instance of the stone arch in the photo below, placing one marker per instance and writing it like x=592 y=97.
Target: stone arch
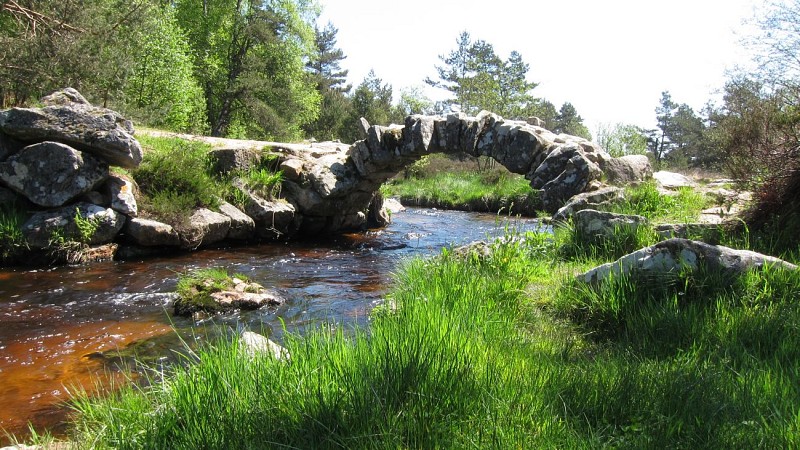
x=331 y=185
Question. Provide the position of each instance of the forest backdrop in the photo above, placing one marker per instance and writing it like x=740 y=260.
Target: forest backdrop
x=266 y=69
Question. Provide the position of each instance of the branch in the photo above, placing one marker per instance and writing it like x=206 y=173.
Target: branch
x=35 y=18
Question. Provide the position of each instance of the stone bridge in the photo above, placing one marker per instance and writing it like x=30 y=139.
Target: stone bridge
x=332 y=185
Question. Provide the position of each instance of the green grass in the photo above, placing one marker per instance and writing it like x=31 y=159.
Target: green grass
x=645 y=200
x=465 y=190
x=174 y=179
x=195 y=288
x=12 y=241
x=505 y=351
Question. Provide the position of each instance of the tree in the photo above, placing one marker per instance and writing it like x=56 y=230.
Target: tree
x=326 y=66
x=569 y=122
x=250 y=61
x=412 y=101
x=660 y=145
x=330 y=81
x=161 y=88
x=622 y=139
x=478 y=79
x=87 y=45
x=514 y=88
x=371 y=100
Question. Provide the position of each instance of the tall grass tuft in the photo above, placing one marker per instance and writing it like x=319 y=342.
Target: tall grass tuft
x=645 y=200
x=12 y=240
x=502 y=350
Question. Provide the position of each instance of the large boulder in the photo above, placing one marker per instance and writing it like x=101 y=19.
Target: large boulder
x=565 y=172
x=120 y=190
x=227 y=160
x=71 y=223
x=50 y=174
x=242 y=227
x=273 y=219
x=671 y=180
x=99 y=131
x=205 y=227
x=677 y=254
x=151 y=233
x=588 y=200
x=65 y=96
x=8 y=146
x=628 y=169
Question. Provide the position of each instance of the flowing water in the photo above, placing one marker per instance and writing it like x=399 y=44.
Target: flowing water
x=70 y=328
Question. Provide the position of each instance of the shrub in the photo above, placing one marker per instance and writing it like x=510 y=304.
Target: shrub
x=174 y=179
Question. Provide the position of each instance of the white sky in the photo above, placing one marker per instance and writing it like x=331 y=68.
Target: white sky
x=609 y=58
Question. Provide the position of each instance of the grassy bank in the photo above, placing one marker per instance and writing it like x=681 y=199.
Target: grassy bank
x=441 y=182
x=503 y=351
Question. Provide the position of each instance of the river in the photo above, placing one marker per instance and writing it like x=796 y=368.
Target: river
x=70 y=328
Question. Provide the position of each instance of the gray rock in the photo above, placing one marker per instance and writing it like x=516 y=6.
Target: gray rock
x=596 y=226
x=257 y=345
x=50 y=174
x=242 y=226
x=588 y=200
x=273 y=220
x=377 y=217
x=672 y=180
x=689 y=230
x=42 y=227
x=363 y=128
x=629 y=169
x=122 y=198
x=99 y=131
x=8 y=146
x=151 y=233
x=564 y=173
x=292 y=169
x=64 y=97
x=238 y=294
x=393 y=205
x=205 y=227
x=227 y=160
x=677 y=254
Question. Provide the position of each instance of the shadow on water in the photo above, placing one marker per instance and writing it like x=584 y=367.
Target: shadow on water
x=72 y=326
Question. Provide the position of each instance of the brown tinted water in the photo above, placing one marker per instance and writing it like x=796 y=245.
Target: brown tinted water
x=72 y=328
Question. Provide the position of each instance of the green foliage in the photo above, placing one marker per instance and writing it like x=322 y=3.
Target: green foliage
x=249 y=58
x=438 y=183
x=478 y=79
x=573 y=244
x=497 y=350
x=263 y=182
x=568 y=121
x=195 y=288
x=622 y=139
x=161 y=88
x=86 y=227
x=646 y=200
x=371 y=100
x=174 y=179
x=12 y=240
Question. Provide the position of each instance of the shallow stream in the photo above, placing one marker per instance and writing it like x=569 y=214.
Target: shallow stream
x=71 y=327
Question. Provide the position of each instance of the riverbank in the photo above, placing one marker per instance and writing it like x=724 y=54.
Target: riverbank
x=498 y=348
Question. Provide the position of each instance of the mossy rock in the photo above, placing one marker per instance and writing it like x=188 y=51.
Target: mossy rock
x=213 y=291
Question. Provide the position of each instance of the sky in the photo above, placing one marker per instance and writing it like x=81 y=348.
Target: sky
x=610 y=58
